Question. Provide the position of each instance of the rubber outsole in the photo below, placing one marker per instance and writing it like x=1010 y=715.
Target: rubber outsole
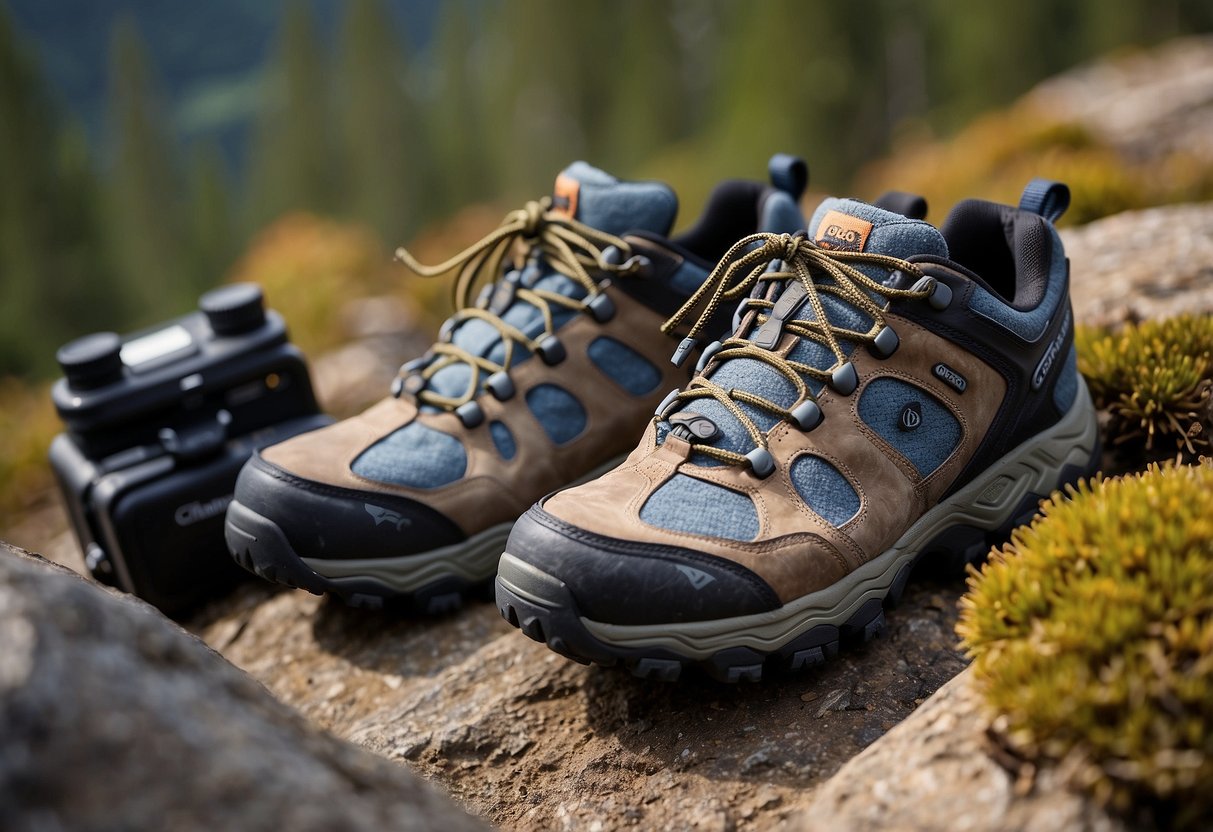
x=259 y=545
x=544 y=609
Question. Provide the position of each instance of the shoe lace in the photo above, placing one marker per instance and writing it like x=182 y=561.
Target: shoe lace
x=532 y=235
x=794 y=260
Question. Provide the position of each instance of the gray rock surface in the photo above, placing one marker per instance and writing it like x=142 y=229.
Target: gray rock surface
x=530 y=740
x=938 y=770
x=1147 y=103
x=112 y=717
x=1142 y=264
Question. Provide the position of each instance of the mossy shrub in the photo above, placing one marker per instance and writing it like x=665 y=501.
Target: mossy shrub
x=1155 y=381
x=1091 y=635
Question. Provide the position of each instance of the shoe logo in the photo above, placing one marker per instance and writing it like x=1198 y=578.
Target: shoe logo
x=386 y=515
x=911 y=416
x=1050 y=356
x=842 y=232
x=564 y=196
x=698 y=578
x=950 y=377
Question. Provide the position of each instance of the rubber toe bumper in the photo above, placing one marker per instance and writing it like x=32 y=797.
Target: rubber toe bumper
x=627 y=582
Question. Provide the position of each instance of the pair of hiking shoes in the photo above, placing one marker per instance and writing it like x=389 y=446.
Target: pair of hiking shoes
x=847 y=396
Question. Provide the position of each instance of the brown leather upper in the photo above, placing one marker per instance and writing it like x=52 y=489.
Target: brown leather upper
x=496 y=490
x=796 y=551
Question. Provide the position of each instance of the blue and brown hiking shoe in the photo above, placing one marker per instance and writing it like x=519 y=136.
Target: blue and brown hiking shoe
x=891 y=393
x=542 y=377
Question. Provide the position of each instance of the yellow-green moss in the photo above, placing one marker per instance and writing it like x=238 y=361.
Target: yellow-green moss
x=1154 y=379
x=1092 y=638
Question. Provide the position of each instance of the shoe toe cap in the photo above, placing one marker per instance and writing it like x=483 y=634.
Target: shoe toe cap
x=632 y=582
x=327 y=521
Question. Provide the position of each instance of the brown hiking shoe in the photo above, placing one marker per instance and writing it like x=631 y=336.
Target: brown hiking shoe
x=543 y=378
x=891 y=393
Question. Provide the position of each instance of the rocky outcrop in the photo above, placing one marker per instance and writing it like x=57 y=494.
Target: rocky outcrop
x=530 y=740
x=1148 y=104
x=1142 y=264
x=938 y=770
x=112 y=717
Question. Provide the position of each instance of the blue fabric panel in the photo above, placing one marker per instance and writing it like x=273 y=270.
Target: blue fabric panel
x=1066 y=388
x=1031 y=325
x=780 y=214
x=926 y=447
x=687 y=279
x=615 y=207
x=561 y=415
x=685 y=504
x=824 y=489
x=503 y=439
x=891 y=233
x=416 y=456
x=623 y=365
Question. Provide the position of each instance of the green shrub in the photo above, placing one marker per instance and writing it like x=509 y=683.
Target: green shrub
x=1154 y=379
x=1092 y=639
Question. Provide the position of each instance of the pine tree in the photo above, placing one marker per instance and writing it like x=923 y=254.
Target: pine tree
x=457 y=140
x=53 y=279
x=645 y=106
x=294 y=159
x=143 y=195
x=385 y=165
x=211 y=228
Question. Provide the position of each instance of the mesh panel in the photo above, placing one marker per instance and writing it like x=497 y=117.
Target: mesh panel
x=503 y=439
x=623 y=365
x=416 y=456
x=685 y=504
x=561 y=415
x=824 y=489
x=927 y=445
x=1067 y=383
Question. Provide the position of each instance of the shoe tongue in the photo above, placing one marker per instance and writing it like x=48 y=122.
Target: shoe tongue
x=851 y=225
x=601 y=201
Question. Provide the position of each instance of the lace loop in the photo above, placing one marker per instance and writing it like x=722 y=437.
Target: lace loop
x=797 y=261
x=535 y=234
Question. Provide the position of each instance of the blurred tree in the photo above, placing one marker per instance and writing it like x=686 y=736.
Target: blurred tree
x=294 y=162
x=645 y=103
x=143 y=197
x=457 y=137
x=384 y=161
x=52 y=269
x=212 y=240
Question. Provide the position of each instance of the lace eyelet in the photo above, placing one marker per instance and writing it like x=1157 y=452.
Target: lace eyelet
x=500 y=385
x=601 y=308
x=708 y=351
x=940 y=296
x=551 y=350
x=669 y=399
x=470 y=413
x=612 y=256
x=844 y=379
x=807 y=415
x=762 y=464
x=885 y=343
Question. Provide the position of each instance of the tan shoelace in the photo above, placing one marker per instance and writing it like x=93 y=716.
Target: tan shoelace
x=532 y=234
x=745 y=264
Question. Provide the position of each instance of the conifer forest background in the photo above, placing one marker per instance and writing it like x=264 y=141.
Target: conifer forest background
x=145 y=144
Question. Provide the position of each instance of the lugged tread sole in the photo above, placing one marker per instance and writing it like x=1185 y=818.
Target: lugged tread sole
x=258 y=545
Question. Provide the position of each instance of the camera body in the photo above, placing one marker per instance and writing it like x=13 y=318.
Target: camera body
x=159 y=424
